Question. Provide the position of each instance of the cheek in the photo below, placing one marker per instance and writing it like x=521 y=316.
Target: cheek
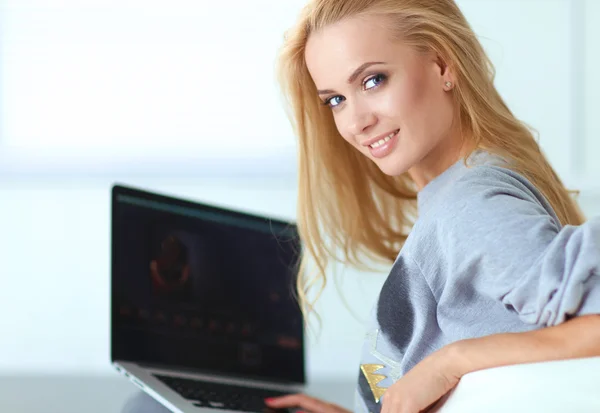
x=402 y=101
x=439 y=114
x=342 y=128
x=424 y=108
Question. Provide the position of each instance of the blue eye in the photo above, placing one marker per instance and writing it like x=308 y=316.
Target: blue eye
x=334 y=101
x=374 y=81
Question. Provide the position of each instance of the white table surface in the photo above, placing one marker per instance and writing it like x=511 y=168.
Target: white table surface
x=64 y=394
x=564 y=386
x=104 y=394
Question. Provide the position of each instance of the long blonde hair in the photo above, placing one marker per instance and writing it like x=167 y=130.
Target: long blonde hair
x=348 y=210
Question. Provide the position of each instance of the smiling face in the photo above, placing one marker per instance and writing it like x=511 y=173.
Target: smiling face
x=390 y=101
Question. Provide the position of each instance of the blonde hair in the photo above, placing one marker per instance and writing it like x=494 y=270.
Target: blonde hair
x=348 y=210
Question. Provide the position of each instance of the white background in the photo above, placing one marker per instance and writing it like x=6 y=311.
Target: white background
x=179 y=96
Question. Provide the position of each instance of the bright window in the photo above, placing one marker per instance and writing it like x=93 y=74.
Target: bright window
x=86 y=82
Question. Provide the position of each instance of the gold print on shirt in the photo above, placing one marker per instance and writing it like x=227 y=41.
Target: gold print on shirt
x=373 y=379
x=395 y=372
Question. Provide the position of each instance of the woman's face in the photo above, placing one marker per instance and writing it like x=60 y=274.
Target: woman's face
x=388 y=100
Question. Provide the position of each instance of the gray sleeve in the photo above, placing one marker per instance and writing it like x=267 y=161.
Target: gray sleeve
x=506 y=234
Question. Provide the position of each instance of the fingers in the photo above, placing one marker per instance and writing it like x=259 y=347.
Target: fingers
x=395 y=405
x=303 y=402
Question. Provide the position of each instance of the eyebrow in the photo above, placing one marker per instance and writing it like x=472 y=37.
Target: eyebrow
x=354 y=75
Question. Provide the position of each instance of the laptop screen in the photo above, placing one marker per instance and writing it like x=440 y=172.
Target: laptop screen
x=201 y=287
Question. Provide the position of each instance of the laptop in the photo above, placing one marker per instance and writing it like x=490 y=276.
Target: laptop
x=203 y=310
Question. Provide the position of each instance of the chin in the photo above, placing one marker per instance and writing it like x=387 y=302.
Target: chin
x=391 y=167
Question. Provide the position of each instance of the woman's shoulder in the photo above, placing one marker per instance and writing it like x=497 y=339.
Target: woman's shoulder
x=482 y=194
x=484 y=170
x=495 y=188
x=486 y=180
x=483 y=182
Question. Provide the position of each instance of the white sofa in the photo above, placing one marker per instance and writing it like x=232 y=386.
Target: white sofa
x=569 y=386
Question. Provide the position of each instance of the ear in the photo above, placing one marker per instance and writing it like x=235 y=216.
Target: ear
x=446 y=73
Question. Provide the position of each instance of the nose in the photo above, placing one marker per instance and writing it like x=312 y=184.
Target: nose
x=361 y=119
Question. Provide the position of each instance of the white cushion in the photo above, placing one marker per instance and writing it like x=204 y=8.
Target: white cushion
x=559 y=386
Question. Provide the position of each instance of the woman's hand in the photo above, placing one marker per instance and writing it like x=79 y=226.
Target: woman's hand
x=416 y=392
x=425 y=384
x=305 y=403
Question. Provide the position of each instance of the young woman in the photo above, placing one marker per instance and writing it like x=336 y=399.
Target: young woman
x=408 y=154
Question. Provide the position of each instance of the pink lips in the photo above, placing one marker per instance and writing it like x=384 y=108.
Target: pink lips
x=386 y=148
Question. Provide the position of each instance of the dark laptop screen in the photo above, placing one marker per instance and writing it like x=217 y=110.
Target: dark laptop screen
x=201 y=287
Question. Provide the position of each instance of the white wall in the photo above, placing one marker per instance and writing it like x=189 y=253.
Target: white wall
x=55 y=221
x=590 y=93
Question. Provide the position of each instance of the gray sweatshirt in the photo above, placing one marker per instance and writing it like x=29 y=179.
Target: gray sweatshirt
x=486 y=255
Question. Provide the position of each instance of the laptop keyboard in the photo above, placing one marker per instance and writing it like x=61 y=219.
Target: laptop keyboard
x=221 y=396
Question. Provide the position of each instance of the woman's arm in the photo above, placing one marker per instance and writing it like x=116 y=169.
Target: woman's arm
x=576 y=338
x=505 y=243
x=438 y=373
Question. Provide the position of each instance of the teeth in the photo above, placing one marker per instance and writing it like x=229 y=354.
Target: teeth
x=382 y=141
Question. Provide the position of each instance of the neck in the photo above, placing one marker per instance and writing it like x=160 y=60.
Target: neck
x=439 y=159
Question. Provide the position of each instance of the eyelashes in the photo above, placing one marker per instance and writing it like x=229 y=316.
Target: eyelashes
x=371 y=82
x=328 y=101
x=380 y=78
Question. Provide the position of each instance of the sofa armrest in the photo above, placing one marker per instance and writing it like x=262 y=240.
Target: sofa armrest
x=548 y=387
